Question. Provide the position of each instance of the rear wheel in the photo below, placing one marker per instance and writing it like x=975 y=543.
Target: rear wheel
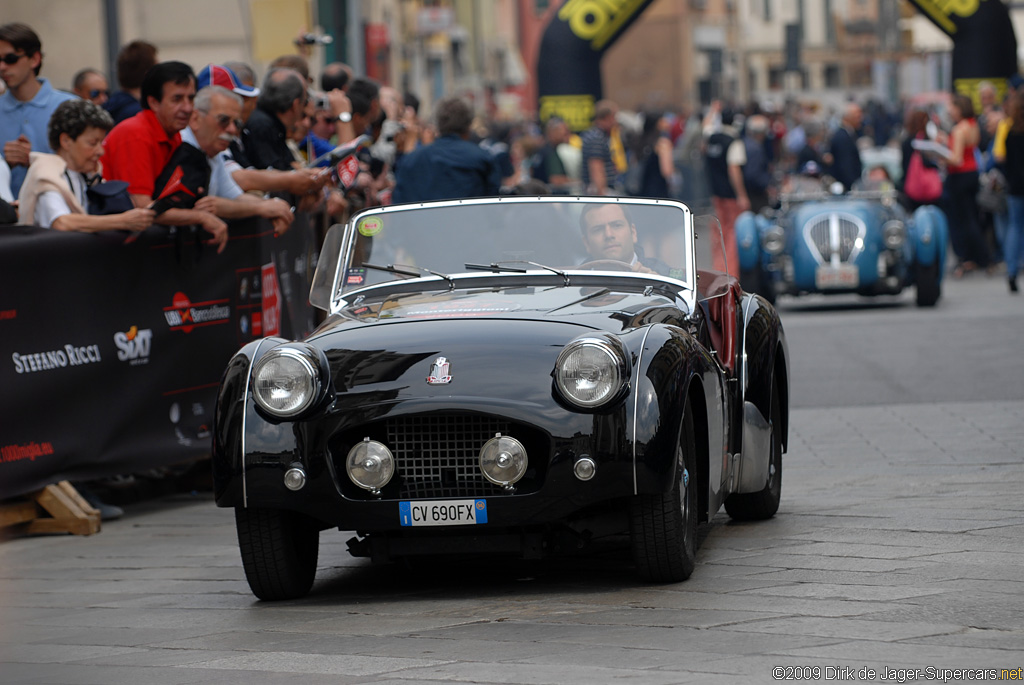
x=279 y=551
x=663 y=527
x=928 y=286
x=755 y=506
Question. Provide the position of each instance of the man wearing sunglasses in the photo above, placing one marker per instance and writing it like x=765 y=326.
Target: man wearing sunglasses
x=216 y=121
x=26 y=107
x=91 y=85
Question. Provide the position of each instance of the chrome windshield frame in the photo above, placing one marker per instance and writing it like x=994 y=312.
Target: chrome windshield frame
x=340 y=300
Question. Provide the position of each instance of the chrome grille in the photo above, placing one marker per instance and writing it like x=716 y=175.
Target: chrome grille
x=437 y=455
x=835 y=237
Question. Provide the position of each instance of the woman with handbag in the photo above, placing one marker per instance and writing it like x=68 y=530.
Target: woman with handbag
x=921 y=183
x=54 y=194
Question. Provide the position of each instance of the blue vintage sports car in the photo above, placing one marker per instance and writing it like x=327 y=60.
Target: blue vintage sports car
x=823 y=241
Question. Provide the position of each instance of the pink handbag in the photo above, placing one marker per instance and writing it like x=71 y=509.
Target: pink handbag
x=923 y=184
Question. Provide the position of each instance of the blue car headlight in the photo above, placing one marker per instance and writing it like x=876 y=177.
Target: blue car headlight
x=590 y=372
x=893 y=234
x=773 y=239
x=286 y=381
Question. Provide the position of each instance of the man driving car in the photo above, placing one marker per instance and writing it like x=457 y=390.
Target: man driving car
x=609 y=233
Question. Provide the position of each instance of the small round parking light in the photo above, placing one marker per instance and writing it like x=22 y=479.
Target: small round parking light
x=503 y=460
x=370 y=465
x=584 y=468
x=294 y=478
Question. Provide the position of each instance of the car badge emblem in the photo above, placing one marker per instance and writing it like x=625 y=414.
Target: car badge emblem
x=439 y=372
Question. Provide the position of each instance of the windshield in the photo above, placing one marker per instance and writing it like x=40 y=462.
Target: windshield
x=513 y=235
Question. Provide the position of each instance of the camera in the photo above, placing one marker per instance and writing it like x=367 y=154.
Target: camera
x=313 y=39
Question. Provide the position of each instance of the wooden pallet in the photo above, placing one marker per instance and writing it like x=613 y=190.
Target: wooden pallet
x=68 y=512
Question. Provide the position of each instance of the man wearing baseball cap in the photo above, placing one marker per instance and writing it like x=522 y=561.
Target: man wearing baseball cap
x=216 y=75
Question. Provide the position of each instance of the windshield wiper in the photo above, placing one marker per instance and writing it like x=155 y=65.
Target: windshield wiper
x=497 y=267
x=410 y=270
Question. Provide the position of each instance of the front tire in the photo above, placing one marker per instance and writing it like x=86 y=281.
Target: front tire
x=279 y=551
x=663 y=527
x=756 y=506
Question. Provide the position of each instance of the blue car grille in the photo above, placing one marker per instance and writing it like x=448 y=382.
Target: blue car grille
x=835 y=234
x=437 y=455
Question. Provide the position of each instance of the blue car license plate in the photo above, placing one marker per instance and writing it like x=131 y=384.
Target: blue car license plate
x=842 y=276
x=450 y=512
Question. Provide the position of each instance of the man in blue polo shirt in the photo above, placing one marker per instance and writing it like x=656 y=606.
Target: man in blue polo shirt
x=26 y=107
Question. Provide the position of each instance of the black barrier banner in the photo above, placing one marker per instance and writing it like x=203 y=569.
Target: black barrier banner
x=984 y=43
x=111 y=352
x=569 y=59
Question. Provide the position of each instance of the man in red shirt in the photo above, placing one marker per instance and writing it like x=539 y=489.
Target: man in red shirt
x=138 y=149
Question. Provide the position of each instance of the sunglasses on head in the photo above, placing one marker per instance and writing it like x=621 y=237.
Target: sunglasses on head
x=11 y=58
x=96 y=92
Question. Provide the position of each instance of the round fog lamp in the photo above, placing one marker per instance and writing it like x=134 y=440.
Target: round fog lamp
x=503 y=460
x=370 y=465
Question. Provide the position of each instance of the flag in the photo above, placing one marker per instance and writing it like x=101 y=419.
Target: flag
x=184 y=179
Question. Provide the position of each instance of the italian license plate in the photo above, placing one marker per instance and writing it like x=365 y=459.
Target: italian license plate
x=450 y=512
x=843 y=276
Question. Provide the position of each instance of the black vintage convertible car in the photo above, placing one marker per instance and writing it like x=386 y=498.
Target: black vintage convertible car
x=507 y=375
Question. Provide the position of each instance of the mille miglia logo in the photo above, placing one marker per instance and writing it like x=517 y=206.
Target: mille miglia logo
x=184 y=315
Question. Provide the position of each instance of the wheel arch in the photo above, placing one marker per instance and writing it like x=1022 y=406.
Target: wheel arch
x=697 y=402
x=781 y=375
x=228 y=449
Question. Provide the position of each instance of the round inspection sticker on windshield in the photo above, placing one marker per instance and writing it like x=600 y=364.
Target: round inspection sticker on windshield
x=370 y=226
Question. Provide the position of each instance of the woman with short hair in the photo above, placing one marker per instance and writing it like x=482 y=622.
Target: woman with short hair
x=54 y=192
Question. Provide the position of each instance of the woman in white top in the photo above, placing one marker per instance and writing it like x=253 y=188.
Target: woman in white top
x=53 y=194
x=5 y=181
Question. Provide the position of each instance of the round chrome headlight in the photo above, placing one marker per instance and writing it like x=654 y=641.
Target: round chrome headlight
x=286 y=381
x=503 y=460
x=773 y=240
x=589 y=372
x=893 y=234
x=370 y=465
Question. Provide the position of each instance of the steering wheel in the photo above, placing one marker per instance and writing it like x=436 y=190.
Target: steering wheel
x=605 y=265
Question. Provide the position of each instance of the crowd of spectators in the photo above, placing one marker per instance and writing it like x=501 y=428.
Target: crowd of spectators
x=260 y=150
x=268 y=144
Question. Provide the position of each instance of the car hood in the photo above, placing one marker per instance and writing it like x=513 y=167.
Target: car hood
x=497 y=341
